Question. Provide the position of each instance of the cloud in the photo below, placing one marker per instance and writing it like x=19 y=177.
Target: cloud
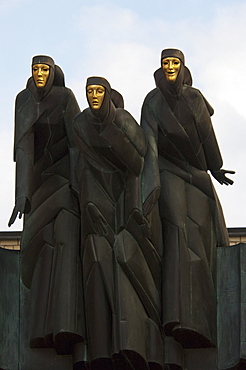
x=7 y=182
x=8 y=6
x=230 y=129
x=126 y=49
x=221 y=53
x=124 y=46
x=129 y=52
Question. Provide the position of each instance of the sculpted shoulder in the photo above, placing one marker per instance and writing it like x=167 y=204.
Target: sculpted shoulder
x=62 y=91
x=124 y=120
x=127 y=123
x=122 y=114
x=22 y=97
x=192 y=93
x=80 y=117
x=195 y=98
x=151 y=95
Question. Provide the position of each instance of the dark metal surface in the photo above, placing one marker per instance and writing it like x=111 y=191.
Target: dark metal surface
x=15 y=351
x=182 y=147
x=120 y=255
x=9 y=309
x=231 y=291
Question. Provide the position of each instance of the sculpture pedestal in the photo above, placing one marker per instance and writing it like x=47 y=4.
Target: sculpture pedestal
x=231 y=296
x=190 y=359
x=15 y=353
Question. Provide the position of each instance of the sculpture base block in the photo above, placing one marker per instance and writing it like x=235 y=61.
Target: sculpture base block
x=16 y=354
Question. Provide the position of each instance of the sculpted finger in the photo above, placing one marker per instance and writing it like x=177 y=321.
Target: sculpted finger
x=12 y=218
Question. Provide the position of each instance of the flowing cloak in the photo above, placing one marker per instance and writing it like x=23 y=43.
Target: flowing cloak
x=121 y=267
x=182 y=147
x=50 y=264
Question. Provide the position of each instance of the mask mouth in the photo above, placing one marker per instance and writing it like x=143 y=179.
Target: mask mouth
x=171 y=76
x=95 y=104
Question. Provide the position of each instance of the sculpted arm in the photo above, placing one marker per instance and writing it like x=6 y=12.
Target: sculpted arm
x=209 y=141
x=23 y=184
x=150 y=174
x=72 y=109
x=23 y=156
x=127 y=141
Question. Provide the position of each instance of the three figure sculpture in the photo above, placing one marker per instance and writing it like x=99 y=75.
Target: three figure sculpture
x=121 y=221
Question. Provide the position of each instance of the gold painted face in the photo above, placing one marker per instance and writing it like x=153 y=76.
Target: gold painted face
x=171 y=67
x=40 y=73
x=95 y=94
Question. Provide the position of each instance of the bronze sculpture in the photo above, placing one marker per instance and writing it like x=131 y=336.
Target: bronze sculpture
x=182 y=148
x=128 y=253
x=44 y=153
x=121 y=268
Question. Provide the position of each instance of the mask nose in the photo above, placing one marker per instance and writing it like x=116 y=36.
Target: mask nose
x=170 y=65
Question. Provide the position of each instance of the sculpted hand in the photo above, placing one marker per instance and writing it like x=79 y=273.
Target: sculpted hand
x=221 y=178
x=18 y=208
x=142 y=222
x=99 y=222
x=75 y=190
x=151 y=201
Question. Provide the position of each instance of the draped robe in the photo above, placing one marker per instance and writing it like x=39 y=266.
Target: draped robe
x=182 y=148
x=50 y=264
x=121 y=267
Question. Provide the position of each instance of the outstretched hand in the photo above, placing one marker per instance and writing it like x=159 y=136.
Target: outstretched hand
x=18 y=208
x=219 y=175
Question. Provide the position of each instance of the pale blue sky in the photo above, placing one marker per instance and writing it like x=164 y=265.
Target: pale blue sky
x=122 y=41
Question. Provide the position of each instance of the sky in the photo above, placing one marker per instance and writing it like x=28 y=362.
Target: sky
x=122 y=40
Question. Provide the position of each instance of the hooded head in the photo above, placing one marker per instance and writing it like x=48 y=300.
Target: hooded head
x=43 y=59
x=171 y=81
x=101 y=98
x=54 y=76
x=97 y=92
x=175 y=53
x=172 y=61
x=43 y=67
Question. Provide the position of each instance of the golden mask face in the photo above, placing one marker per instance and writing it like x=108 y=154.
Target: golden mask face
x=95 y=94
x=40 y=73
x=171 y=67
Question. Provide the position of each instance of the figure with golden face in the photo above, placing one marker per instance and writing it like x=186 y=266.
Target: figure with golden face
x=44 y=152
x=182 y=149
x=121 y=268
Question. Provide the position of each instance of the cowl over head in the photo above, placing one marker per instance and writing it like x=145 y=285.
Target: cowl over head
x=43 y=59
x=56 y=77
x=41 y=92
x=116 y=97
x=173 y=91
x=101 y=81
x=174 y=53
x=95 y=80
x=106 y=112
